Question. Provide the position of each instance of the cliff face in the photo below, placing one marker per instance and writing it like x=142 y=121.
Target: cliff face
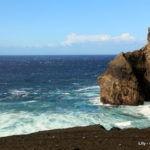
x=127 y=78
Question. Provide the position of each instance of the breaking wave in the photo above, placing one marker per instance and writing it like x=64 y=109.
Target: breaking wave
x=54 y=92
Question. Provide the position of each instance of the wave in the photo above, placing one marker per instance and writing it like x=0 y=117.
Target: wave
x=16 y=92
x=47 y=116
x=75 y=83
x=26 y=102
x=87 y=88
x=25 y=122
x=144 y=110
x=95 y=101
x=65 y=93
x=123 y=124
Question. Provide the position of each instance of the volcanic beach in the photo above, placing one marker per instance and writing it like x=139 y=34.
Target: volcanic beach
x=74 y=75
x=47 y=110
x=80 y=138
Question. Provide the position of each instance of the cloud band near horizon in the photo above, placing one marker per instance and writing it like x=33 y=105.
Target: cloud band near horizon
x=78 y=39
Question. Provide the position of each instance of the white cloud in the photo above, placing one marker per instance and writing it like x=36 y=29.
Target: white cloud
x=75 y=38
x=124 y=37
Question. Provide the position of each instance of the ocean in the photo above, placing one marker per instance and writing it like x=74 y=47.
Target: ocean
x=52 y=92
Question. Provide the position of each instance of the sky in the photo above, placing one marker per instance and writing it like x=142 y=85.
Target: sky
x=72 y=27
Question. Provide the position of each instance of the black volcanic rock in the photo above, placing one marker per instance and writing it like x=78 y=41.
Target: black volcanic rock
x=80 y=138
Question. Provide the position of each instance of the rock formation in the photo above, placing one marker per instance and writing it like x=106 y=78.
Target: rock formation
x=127 y=78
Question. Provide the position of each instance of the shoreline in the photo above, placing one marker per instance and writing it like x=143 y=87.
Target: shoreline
x=92 y=137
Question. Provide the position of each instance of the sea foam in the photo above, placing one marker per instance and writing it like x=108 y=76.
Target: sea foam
x=123 y=124
x=18 y=92
x=87 y=88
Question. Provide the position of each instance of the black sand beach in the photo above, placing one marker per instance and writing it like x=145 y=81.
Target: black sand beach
x=80 y=138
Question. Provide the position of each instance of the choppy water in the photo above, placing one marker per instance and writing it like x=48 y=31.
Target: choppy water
x=50 y=92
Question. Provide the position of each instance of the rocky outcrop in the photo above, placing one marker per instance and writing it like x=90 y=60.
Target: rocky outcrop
x=127 y=78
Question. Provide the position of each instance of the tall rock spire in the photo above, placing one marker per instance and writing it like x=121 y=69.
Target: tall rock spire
x=148 y=36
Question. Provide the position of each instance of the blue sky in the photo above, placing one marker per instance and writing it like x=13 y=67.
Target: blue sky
x=49 y=27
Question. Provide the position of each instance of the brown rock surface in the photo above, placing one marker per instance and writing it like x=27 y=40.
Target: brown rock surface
x=127 y=78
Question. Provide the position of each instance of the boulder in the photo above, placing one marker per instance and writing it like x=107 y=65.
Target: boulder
x=126 y=80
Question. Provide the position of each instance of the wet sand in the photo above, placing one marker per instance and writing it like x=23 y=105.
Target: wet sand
x=80 y=138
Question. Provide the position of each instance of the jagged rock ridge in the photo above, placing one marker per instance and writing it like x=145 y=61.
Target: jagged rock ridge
x=127 y=78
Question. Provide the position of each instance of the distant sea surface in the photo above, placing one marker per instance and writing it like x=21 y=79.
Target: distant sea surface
x=52 y=92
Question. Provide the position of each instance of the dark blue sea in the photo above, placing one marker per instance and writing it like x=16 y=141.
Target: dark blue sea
x=53 y=92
